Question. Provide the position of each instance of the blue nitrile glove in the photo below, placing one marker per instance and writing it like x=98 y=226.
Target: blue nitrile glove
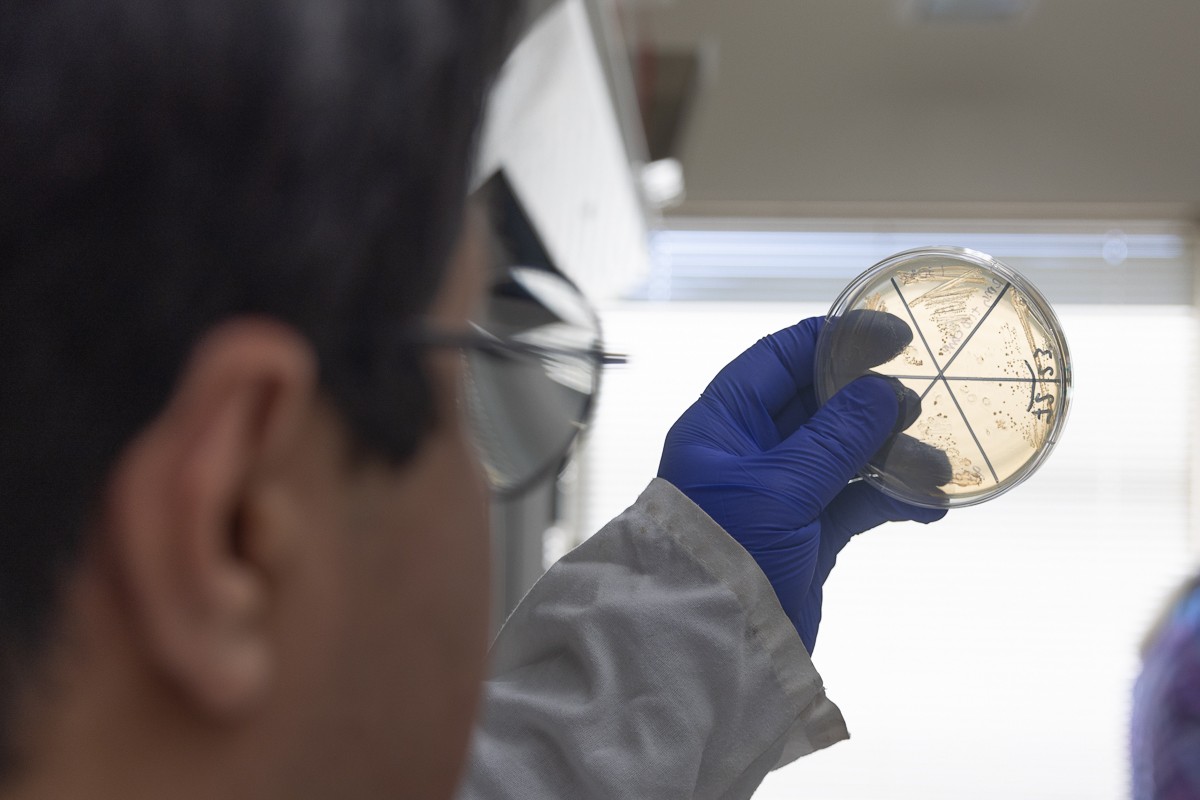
x=772 y=469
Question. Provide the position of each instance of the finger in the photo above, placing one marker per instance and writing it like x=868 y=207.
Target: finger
x=838 y=441
x=861 y=339
x=795 y=413
x=915 y=465
x=858 y=508
x=798 y=410
x=909 y=403
x=771 y=373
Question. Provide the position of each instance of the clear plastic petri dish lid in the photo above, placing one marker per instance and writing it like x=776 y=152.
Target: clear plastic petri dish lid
x=980 y=347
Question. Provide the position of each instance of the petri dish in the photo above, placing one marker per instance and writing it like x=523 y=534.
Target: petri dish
x=980 y=347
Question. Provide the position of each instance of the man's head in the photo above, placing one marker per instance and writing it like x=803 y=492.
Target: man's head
x=238 y=518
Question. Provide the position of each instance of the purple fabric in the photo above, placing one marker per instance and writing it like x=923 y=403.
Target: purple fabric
x=1165 y=731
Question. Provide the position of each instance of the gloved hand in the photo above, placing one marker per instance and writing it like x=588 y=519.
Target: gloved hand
x=765 y=463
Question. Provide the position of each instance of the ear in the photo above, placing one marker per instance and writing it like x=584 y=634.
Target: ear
x=191 y=520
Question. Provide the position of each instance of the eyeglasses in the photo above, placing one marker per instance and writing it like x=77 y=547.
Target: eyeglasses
x=534 y=361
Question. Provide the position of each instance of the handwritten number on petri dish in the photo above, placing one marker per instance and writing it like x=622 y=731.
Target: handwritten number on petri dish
x=1035 y=398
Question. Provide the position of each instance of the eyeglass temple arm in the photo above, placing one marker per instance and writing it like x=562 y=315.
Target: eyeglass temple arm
x=479 y=339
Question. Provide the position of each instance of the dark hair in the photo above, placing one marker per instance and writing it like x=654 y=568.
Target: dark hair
x=167 y=164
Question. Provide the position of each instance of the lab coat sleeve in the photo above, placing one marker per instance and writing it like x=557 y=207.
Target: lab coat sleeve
x=653 y=661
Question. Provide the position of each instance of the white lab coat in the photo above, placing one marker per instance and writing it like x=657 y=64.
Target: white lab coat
x=651 y=662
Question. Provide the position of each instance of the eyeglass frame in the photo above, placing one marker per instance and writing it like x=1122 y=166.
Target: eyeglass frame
x=479 y=340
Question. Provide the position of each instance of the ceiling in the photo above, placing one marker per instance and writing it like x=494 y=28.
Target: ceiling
x=1082 y=108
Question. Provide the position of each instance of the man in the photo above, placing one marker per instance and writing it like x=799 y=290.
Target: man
x=236 y=504
x=243 y=530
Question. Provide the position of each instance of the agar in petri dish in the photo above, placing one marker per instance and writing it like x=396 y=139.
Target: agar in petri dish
x=980 y=347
